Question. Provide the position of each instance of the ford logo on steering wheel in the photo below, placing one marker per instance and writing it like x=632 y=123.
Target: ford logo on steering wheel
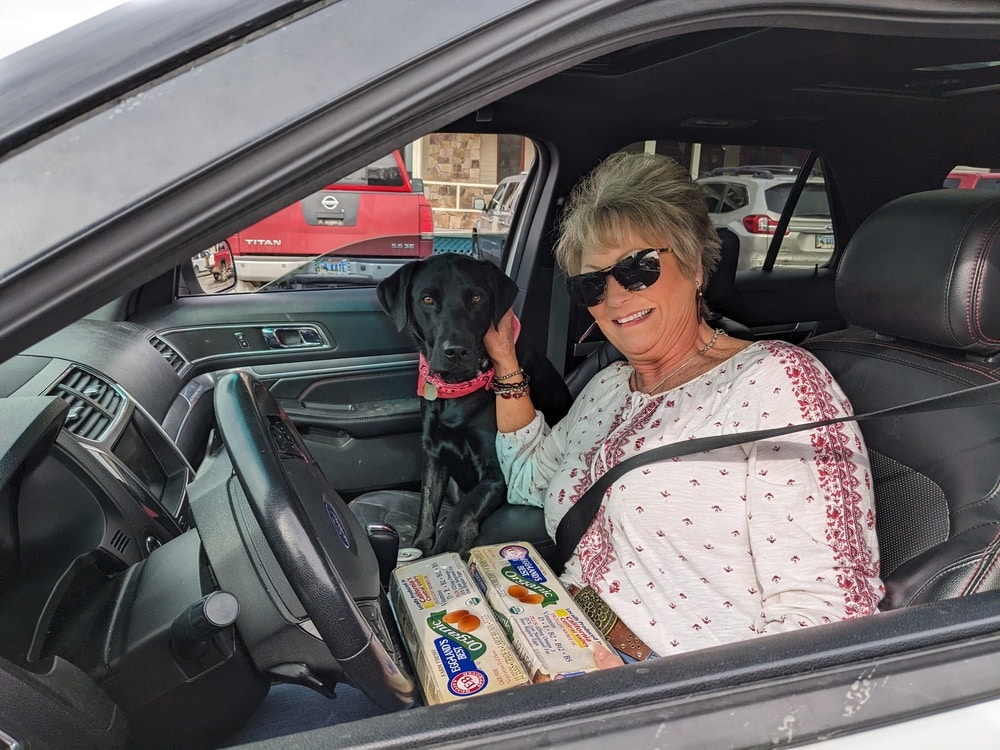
x=337 y=525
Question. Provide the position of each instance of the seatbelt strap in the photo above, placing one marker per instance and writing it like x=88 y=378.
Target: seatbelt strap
x=577 y=520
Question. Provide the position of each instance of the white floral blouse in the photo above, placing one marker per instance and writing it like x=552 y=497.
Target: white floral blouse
x=718 y=546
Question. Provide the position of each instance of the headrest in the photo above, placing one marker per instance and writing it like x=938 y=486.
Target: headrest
x=926 y=267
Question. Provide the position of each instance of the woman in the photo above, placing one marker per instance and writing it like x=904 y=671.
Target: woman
x=707 y=548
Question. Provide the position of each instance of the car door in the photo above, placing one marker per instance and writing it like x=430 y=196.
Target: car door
x=332 y=358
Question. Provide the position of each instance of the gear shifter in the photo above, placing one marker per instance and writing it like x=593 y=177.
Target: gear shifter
x=385 y=543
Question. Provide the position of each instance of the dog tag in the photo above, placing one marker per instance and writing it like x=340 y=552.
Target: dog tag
x=430 y=392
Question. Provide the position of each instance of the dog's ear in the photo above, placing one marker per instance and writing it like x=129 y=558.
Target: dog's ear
x=394 y=294
x=504 y=292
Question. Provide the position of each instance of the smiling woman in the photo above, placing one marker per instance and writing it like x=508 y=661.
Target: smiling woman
x=137 y=139
x=692 y=552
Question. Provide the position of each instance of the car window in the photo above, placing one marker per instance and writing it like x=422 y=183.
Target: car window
x=495 y=200
x=746 y=191
x=405 y=205
x=384 y=172
x=812 y=201
x=713 y=195
x=509 y=202
x=735 y=198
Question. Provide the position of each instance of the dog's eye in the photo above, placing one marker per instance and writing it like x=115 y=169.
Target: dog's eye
x=477 y=298
x=427 y=299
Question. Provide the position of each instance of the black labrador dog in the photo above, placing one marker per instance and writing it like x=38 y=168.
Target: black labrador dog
x=447 y=303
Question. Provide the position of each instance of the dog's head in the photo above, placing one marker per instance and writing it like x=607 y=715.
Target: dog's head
x=447 y=303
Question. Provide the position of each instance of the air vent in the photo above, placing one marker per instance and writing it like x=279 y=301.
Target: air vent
x=120 y=542
x=93 y=403
x=172 y=357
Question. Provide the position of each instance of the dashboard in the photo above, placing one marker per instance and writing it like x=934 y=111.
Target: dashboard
x=124 y=519
x=101 y=439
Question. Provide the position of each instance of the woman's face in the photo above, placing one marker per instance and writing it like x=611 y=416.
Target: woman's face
x=645 y=325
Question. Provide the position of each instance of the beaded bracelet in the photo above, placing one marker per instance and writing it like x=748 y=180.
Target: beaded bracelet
x=515 y=393
x=507 y=386
x=512 y=390
x=510 y=375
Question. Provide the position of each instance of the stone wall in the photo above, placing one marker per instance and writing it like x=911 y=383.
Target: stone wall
x=458 y=168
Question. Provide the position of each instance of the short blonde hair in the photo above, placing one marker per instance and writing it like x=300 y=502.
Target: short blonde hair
x=649 y=194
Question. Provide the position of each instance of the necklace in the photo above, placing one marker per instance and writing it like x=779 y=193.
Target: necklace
x=685 y=363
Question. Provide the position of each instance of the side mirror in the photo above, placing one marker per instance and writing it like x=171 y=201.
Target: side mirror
x=213 y=270
x=479 y=204
x=417 y=184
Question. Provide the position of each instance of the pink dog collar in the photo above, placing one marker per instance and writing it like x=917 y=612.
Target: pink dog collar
x=431 y=387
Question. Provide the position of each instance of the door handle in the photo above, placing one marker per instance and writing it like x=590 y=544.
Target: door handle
x=293 y=337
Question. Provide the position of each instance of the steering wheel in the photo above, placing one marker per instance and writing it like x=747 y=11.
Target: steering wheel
x=318 y=543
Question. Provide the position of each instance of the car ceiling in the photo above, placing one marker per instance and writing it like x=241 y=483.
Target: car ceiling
x=903 y=112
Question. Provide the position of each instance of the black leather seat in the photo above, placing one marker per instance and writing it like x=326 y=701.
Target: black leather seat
x=919 y=285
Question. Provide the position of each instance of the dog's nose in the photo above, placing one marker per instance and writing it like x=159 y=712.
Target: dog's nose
x=453 y=351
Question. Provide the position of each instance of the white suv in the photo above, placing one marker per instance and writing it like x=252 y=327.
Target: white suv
x=489 y=234
x=748 y=202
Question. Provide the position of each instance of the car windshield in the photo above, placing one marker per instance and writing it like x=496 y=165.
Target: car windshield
x=345 y=266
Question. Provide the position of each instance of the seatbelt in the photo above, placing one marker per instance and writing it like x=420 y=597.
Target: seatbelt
x=559 y=309
x=577 y=520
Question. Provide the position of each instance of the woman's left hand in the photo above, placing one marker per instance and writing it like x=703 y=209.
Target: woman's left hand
x=605 y=659
x=499 y=343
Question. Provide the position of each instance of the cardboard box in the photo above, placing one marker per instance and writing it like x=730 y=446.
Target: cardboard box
x=455 y=643
x=548 y=630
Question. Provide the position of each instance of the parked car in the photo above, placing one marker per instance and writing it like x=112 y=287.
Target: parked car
x=366 y=224
x=200 y=262
x=489 y=233
x=174 y=469
x=748 y=201
x=973 y=180
x=220 y=261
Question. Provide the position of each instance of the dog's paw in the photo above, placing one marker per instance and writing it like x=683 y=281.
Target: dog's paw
x=426 y=545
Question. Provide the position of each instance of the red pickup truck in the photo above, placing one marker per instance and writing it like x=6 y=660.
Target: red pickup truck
x=973 y=180
x=360 y=228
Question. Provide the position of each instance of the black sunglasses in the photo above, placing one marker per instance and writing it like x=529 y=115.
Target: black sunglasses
x=634 y=273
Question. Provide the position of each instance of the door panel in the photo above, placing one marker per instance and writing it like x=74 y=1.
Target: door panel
x=352 y=395
x=362 y=427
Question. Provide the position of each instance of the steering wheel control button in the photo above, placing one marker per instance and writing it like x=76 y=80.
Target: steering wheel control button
x=284 y=441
